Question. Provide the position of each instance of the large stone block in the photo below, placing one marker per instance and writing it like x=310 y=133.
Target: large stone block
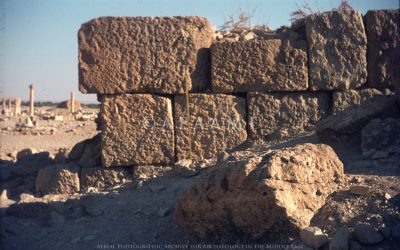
x=278 y=115
x=337 y=47
x=383 y=33
x=136 y=129
x=353 y=119
x=217 y=122
x=345 y=99
x=144 y=54
x=249 y=197
x=259 y=65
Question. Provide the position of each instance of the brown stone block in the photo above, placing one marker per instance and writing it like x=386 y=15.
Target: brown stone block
x=217 y=122
x=343 y=100
x=136 y=129
x=337 y=47
x=279 y=115
x=144 y=54
x=259 y=65
x=382 y=27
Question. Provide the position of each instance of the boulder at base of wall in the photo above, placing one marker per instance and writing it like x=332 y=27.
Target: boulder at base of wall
x=86 y=153
x=280 y=190
x=58 y=179
x=352 y=120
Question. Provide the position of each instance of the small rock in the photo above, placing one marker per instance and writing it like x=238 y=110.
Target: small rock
x=396 y=231
x=387 y=196
x=185 y=168
x=359 y=189
x=156 y=187
x=28 y=123
x=377 y=218
x=313 y=237
x=369 y=153
x=4 y=195
x=56 y=218
x=367 y=234
x=26 y=197
x=163 y=211
x=249 y=36
x=385 y=231
x=380 y=155
x=222 y=156
x=340 y=240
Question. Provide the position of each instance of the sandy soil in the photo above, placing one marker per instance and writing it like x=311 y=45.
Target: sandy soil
x=48 y=135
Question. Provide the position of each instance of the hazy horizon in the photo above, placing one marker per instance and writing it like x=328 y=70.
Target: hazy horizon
x=38 y=40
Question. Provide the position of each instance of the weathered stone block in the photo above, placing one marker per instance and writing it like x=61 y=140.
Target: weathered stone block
x=344 y=99
x=353 y=119
x=100 y=177
x=383 y=33
x=337 y=47
x=281 y=190
x=58 y=179
x=136 y=129
x=144 y=54
x=278 y=115
x=259 y=65
x=217 y=122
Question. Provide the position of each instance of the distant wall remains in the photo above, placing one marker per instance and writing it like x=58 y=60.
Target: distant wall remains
x=145 y=69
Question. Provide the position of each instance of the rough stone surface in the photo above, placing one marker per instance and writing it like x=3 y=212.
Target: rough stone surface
x=359 y=189
x=144 y=54
x=340 y=240
x=381 y=134
x=137 y=129
x=185 y=168
x=259 y=65
x=58 y=179
x=344 y=99
x=101 y=177
x=367 y=234
x=337 y=47
x=87 y=153
x=383 y=33
x=353 y=119
x=313 y=237
x=278 y=115
x=217 y=122
x=278 y=190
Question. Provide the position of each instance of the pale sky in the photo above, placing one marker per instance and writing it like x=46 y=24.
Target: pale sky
x=38 y=38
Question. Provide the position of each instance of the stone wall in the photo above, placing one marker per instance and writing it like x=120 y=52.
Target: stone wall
x=169 y=90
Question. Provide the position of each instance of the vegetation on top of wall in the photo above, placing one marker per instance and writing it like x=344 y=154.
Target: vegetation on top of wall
x=304 y=10
x=242 y=22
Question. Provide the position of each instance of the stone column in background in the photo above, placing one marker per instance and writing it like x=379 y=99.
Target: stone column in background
x=4 y=105
x=17 y=106
x=9 y=105
x=72 y=102
x=31 y=100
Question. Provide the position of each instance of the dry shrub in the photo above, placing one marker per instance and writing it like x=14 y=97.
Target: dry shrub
x=243 y=21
